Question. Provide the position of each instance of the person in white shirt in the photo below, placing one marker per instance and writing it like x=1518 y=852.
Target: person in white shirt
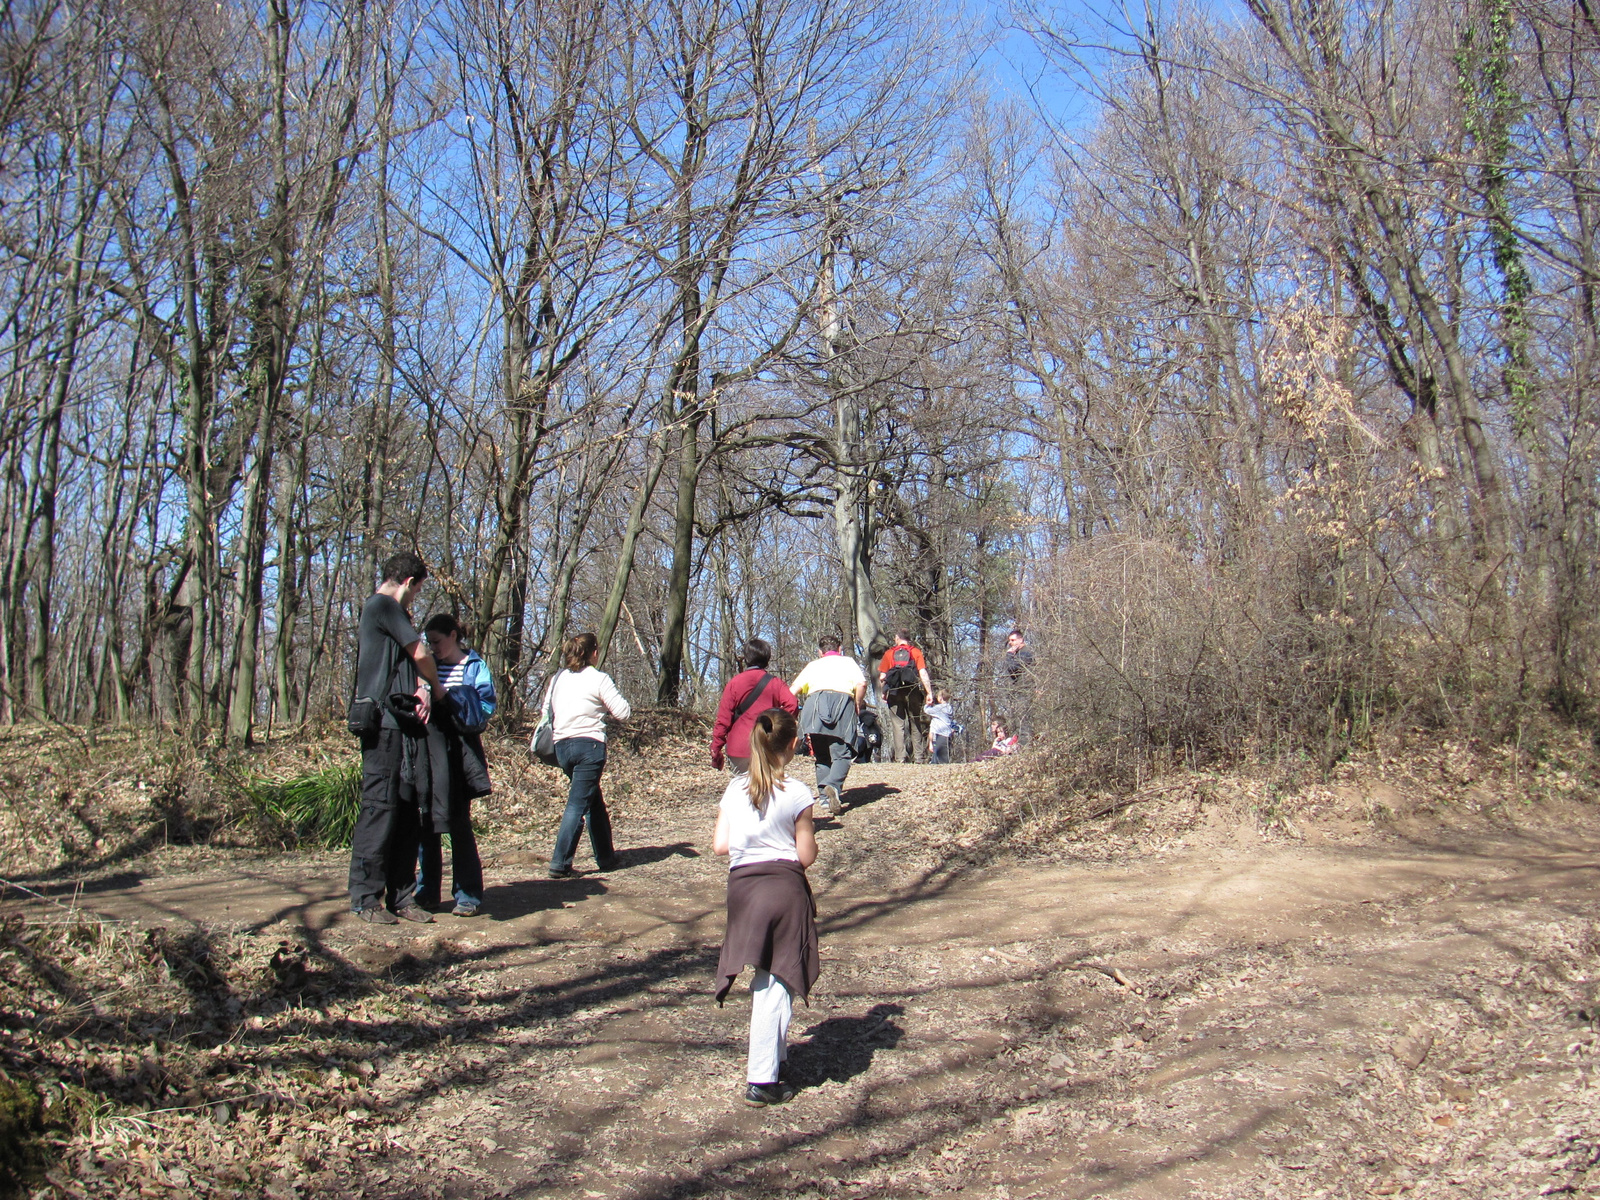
x=832 y=689
x=941 y=728
x=764 y=826
x=579 y=698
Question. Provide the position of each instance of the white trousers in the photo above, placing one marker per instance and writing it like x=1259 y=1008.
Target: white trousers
x=771 y=1006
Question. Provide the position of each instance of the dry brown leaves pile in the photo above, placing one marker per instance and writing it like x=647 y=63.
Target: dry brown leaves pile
x=156 y=1041
x=1034 y=806
x=210 y=1063
x=95 y=800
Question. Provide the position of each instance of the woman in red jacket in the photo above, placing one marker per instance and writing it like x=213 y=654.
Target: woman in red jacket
x=748 y=694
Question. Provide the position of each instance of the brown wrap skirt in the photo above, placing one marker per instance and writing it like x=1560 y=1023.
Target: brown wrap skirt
x=772 y=924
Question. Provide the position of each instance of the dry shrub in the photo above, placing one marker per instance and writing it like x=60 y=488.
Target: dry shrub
x=1351 y=599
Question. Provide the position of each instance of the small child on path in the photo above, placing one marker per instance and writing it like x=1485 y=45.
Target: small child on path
x=765 y=827
x=941 y=728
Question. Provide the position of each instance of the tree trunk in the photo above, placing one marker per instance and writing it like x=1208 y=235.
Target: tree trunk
x=678 y=578
x=250 y=565
x=43 y=558
x=852 y=511
x=289 y=578
x=506 y=583
x=630 y=540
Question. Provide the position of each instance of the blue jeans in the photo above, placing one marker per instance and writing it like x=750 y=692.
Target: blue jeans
x=582 y=759
x=466 y=868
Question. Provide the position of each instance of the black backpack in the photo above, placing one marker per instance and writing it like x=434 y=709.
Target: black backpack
x=868 y=736
x=902 y=677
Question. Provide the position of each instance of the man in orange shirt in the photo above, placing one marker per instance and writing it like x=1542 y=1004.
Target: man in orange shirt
x=903 y=681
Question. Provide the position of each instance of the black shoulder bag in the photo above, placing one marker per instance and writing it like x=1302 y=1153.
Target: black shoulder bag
x=543 y=745
x=364 y=716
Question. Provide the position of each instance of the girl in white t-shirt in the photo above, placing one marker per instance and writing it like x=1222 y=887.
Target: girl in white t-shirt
x=765 y=827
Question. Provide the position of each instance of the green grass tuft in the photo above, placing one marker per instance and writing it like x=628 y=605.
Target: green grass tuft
x=31 y=1132
x=318 y=809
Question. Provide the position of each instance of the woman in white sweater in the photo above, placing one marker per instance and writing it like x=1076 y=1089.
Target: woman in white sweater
x=579 y=699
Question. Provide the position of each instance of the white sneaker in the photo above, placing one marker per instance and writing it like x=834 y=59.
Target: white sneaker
x=823 y=809
x=831 y=798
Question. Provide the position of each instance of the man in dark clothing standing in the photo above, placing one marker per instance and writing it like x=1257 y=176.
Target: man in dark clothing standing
x=394 y=669
x=1016 y=681
x=905 y=687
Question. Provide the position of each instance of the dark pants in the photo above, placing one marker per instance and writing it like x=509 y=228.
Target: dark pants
x=583 y=759
x=834 y=756
x=908 y=727
x=383 y=850
x=941 y=749
x=466 y=870
x=1016 y=710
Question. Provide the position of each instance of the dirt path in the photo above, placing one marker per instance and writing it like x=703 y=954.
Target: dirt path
x=1247 y=1019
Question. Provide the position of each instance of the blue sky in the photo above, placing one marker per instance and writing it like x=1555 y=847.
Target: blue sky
x=1015 y=68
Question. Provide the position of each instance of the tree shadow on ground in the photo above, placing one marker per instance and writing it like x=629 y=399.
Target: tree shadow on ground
x=639 y=856
x=860 y=797
x=508 y=901
x=120 y=882
x=840 y=1048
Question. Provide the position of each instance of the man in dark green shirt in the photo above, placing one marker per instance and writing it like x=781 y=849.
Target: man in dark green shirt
x=392 y=661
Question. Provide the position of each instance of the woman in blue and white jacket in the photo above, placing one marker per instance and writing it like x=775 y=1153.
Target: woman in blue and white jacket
x=466 y=681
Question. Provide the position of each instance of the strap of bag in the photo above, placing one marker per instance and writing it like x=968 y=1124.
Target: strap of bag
x=744 y=705
x=393 y=654
x=550 y=698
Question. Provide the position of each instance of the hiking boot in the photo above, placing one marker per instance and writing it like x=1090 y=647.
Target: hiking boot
x=561 y=873
x=416 y=913
x=760 y=1095
x=377 y=915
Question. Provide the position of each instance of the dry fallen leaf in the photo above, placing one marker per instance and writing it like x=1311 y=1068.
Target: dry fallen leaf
x=1412 y=1049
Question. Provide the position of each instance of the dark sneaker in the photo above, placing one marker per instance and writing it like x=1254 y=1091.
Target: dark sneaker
x=759 y=1095
x=610 y=864
x=377 y=915
x=464 y=910
x=415 y=912
x=561 y=873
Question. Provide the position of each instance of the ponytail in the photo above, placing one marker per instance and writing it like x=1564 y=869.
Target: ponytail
x=774 y=732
